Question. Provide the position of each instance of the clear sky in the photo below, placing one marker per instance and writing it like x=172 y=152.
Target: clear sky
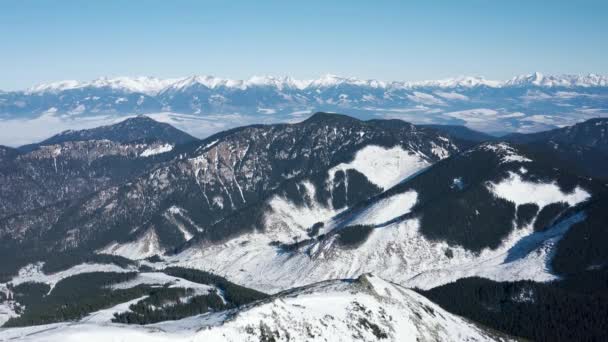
x=43 y=41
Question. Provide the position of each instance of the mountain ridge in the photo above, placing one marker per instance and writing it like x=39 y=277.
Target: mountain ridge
x=203 y=106
x=152 y=85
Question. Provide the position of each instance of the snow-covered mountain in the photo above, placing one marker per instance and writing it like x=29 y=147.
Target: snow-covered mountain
x=118 y=213
x=195 y=104
x=73 y=163
x=364 y=309
x=199 y=189
x=491 y=211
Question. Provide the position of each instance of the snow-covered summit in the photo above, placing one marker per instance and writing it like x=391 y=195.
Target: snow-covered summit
x=540 y=80
x=141 y=84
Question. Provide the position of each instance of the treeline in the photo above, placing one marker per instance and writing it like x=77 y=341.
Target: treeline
x=355 y=235
x=176 y=303
x=169 y=304
x=584 y=244
x=72 y=298
x=63 y=261
x=572 y=310
x=235 y=294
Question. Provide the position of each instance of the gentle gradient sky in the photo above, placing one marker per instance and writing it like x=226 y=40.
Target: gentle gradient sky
x=43 y=41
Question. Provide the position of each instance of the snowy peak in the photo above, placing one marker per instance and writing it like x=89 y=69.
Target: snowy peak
x=567 y=81
x=457 y=82
x=153 y=85
x=524 y=104
x=142 y=84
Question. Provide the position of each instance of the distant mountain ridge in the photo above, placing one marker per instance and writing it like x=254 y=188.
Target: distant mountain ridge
x=153 y=85
x=204 y=105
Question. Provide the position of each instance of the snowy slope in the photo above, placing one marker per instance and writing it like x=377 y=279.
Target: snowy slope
x=144 y=247
x=385 y=167
x=397 y=251
x=396 y=248
x=365 y=309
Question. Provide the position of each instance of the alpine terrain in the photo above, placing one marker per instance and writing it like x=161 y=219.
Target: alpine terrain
x=327 y=228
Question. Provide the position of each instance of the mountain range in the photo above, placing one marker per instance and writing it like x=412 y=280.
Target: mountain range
x=332 y=226
x=203 y=105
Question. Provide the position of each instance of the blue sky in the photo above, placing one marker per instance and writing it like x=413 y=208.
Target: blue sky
x=43 y=41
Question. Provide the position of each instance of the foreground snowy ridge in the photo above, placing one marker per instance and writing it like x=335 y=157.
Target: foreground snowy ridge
x=365 y=309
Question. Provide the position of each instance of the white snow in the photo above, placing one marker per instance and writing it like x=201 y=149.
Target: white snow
x=211 y=144
x=384 y=167
x=156 y=150
x=518 y=191
x=106 y=315
x=439 y=151
x=521 y=257
x=457 y=183
x=507 y=152
x=451 y=95
x=385 y=209
x=146 y=246
x=286 y=221
x=8 y=310
x=425 y=98
x=162 y=279
x=170 y=216
x=145 y=85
